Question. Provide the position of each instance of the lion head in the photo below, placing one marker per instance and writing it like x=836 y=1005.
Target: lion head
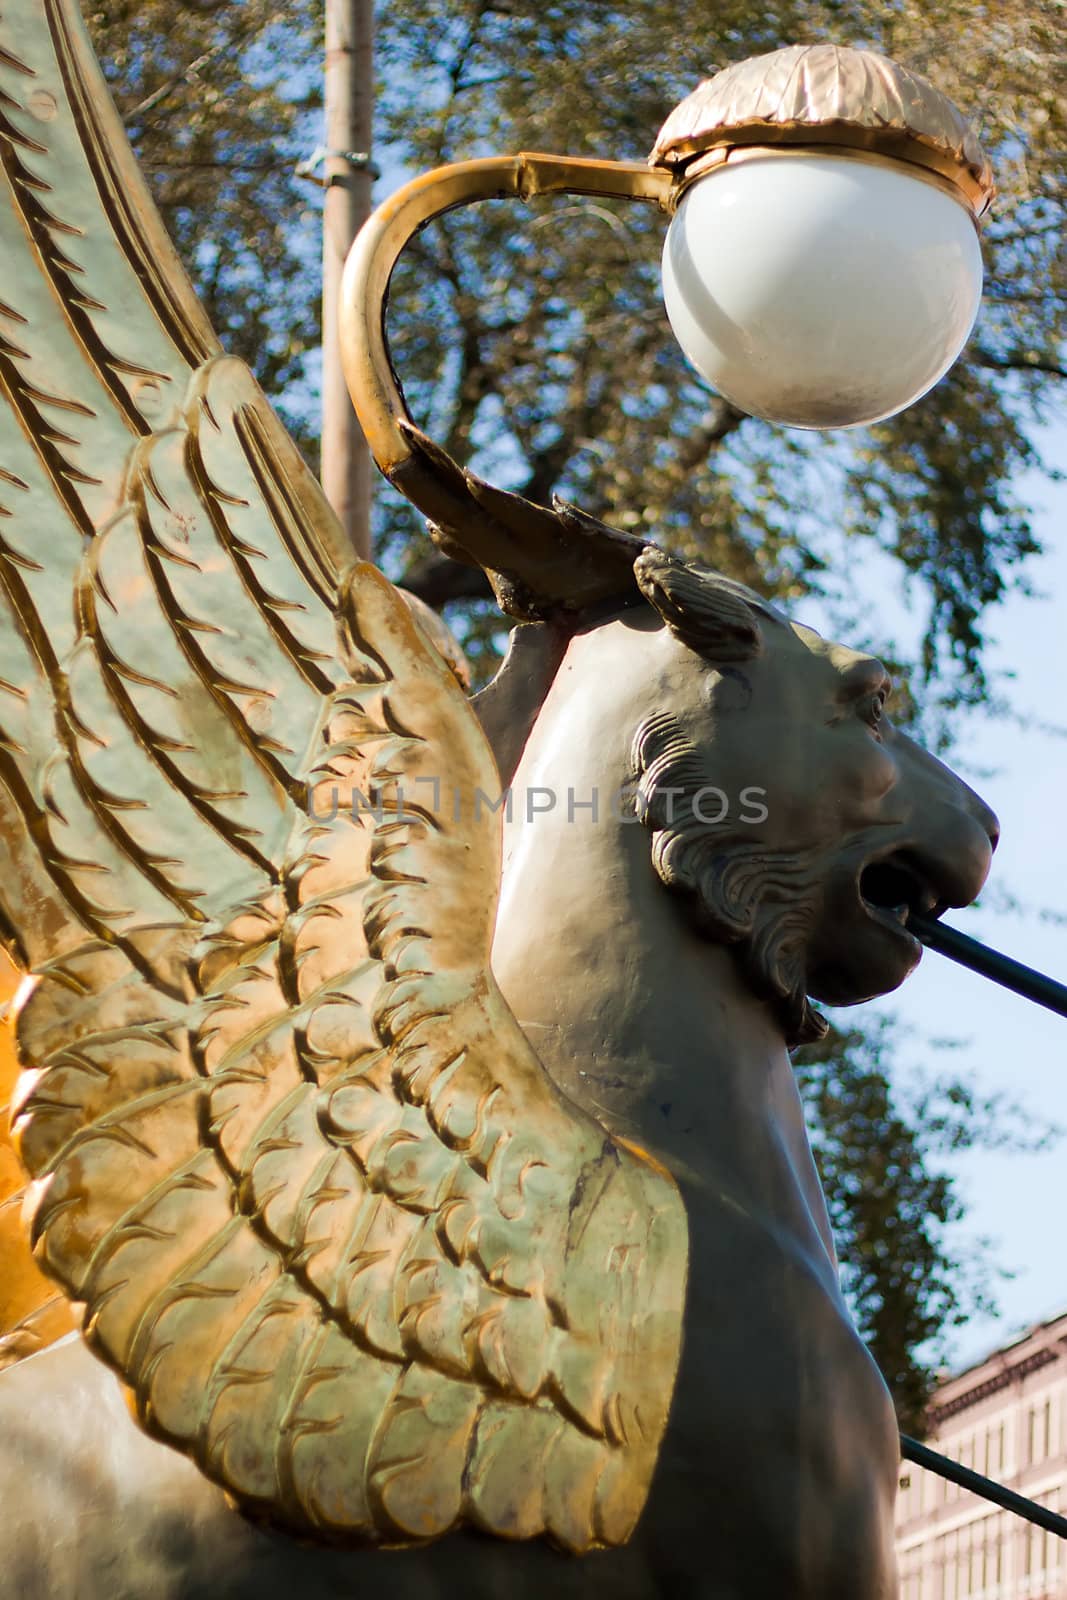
x=802 y=827
x=858 y=827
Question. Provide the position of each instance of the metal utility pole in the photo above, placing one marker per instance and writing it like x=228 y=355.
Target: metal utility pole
x=346 y=464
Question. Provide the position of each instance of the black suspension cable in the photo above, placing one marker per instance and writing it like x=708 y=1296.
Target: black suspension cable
x=1035 y=986
x=923 y=1456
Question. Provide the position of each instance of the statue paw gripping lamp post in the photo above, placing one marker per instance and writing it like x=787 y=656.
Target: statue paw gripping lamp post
x=821 y=269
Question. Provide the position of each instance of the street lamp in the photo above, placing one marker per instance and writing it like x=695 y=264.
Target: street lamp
x=822 y=267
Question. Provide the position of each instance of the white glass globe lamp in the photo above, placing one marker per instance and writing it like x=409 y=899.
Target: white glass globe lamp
x=829 y=275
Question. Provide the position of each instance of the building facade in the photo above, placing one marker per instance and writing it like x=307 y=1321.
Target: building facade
x=1006 y=1417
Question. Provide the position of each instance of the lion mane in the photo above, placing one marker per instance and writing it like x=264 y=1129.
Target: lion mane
x=759 y=901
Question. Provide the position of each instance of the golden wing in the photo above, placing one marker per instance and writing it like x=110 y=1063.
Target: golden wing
x=33 y=1311
x=326 y=1214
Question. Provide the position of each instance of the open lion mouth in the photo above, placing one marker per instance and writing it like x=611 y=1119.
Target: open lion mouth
x=896 y=887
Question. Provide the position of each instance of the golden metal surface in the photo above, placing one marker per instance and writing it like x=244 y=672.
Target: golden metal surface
x=819 y=95
x=330 y=1220
x=736 y=155
x=372 y=382
x=33 y=1312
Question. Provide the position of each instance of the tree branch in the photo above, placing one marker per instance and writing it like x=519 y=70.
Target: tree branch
x=1021 y=361
x=721 y=421
x=436 y=579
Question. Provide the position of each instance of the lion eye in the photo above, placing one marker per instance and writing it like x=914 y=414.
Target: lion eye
x=872 y=707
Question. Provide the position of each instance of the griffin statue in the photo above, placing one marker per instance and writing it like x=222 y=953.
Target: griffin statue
x=405 y=1100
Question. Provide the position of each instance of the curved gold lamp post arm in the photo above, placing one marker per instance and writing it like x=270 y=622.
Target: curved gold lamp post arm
x=372 y=382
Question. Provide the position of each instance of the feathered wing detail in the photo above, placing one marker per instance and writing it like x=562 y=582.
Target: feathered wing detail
x=329 y=1218
x=34 y=1312
x=326 y=1214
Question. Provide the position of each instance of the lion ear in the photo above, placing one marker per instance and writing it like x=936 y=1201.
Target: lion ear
x=701 y=609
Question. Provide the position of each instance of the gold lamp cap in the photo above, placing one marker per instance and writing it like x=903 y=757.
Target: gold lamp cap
x=825 y=94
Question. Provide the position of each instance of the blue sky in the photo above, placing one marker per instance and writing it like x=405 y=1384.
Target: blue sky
x=1008 y=1044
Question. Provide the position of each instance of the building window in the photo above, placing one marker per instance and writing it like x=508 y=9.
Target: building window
x=1038 y=1431
x=971 y=1568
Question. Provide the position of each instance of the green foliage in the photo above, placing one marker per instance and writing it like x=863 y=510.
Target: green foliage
x=219 y=101
x=879 y=1149
x=533 y=343
x=561 y=374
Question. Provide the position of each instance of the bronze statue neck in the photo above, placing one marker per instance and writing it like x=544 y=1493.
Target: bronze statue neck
x=588 y=943
x=588 y=990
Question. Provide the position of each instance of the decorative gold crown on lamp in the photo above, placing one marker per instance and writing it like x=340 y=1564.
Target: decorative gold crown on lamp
x=824 y=95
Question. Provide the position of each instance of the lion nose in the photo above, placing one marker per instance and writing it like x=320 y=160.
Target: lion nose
x=988 y=820
x=980 y=814
x=958 y=830
x=953 y=854
x=964 y=860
